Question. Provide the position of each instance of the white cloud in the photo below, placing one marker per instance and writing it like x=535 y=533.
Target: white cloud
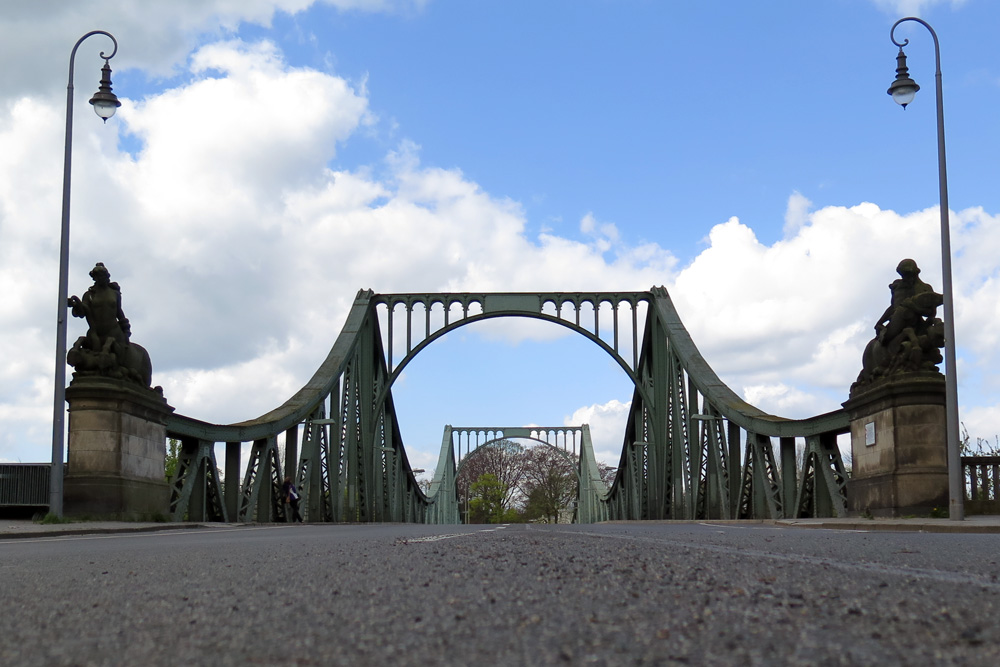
x=156 y=37
x=607 y=427
x=903 y=8
x=780 y=399
x=796 y=214
x=239 y=251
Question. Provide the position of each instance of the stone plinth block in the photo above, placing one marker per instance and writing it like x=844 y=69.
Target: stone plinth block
x=117 y=446
x=899 y=446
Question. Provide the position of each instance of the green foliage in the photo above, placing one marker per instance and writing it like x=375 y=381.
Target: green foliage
x=983 y=446
x=513 y=515
x=486 y=496
x=170 y=460
x=550 y=484
x=51 y=518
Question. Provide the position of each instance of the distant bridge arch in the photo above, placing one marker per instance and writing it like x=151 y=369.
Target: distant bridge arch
x=574 y=442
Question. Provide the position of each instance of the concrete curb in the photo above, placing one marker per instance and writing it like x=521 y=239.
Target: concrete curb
x=69 y=530
x=974 y=524
x=900 y=525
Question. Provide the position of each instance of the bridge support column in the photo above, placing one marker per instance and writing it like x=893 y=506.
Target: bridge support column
x=898 y=447
x=116 y=450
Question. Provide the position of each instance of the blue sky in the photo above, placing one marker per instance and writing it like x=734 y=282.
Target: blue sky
x=273 y=157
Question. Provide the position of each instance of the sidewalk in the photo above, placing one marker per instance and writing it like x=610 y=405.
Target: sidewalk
x=14 y=528
x=17 y=528
x=971 y=524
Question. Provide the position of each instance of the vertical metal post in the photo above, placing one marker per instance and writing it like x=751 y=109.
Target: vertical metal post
x=59 y=394
x=198 y=478
x=233 y=451
x=292 y=452
x=735 y=471
x=956 y=491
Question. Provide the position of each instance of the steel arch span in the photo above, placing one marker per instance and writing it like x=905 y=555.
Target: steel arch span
x=692 y=448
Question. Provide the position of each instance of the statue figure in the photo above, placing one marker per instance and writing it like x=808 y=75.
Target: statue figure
x=106 y=349
x=908 y=336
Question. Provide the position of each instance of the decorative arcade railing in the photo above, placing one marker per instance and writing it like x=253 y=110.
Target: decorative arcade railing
x=692 y=448
x=982 y=484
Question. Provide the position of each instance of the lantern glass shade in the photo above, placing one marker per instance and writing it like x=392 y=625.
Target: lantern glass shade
x=903 y=95
x=105 y=108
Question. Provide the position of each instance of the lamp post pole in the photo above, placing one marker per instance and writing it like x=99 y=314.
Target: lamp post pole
x=105 y=103
x=902 y=90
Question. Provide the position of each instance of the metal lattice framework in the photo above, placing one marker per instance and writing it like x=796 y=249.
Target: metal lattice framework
x=692 y=448
x=573 y=441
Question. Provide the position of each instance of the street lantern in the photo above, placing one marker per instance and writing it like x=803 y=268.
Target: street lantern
x=105 y=103
x=902 y=90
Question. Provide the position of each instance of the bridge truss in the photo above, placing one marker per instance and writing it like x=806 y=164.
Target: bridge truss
x=692 y=448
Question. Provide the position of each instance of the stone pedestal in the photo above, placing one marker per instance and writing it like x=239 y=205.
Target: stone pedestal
x=117 y=444
x=899 y=447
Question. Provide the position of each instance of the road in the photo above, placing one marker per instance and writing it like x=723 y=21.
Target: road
x=610 y=594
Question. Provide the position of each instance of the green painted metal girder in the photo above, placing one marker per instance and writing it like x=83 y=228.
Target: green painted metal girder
x=681 y=455
x=723 y=398
x=297 y=408
x=479 y=306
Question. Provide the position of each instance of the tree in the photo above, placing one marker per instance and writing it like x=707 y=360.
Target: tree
x=486 y=496
x=504 y=461
x=550 y=483
x=170 y=460
x=983 y=446
x=607 y=473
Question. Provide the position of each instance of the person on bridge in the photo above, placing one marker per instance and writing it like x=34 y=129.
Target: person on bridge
x=291 y=495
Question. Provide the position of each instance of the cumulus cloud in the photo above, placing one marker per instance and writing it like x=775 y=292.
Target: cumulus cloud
x=607 y=427
x=796 y=213
x=240 y=245
x=239 y=249
x=155 y=37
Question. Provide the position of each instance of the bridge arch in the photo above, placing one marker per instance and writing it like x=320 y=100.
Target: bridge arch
x=511 y=305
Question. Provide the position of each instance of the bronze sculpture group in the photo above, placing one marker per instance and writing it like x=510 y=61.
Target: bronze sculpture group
x=106 y=350
x=908 y=336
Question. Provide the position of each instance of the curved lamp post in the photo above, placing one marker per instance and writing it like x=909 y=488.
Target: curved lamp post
x=105 y=104
x=902 y=90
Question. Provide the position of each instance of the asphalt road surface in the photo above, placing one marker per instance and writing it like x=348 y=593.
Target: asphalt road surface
x=610 y=594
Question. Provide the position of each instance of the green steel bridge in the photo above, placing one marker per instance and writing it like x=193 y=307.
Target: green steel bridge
x=692 y=448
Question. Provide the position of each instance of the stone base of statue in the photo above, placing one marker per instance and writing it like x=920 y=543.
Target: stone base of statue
x=116 y=451
x=898 y=446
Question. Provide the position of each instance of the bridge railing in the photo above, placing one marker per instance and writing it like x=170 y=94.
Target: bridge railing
x=24 y=484
x=982 y=484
